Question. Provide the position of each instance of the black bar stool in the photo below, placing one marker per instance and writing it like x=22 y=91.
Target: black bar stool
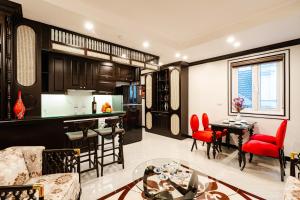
x=87 y=141
x=110 y=133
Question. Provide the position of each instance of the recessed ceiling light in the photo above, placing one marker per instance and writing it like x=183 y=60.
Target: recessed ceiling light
x=230 y=39
x=146 y=44
x=89 y=26
x=177 y=55
x=184 y=57
x=124 y=55
x=237 y=44
x=160 y=63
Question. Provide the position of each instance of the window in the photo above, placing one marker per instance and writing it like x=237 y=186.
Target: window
x=261 y=83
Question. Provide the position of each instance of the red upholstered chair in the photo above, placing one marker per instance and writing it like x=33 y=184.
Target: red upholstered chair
x=269 y=139
x=262 y=148
x=204 y=136
x=205 y=123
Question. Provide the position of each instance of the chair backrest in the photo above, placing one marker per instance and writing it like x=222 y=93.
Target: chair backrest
x=205 y=121
x=194 y=122
x=280 y=135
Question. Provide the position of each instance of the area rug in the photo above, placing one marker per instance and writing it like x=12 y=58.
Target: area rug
x=209 y=189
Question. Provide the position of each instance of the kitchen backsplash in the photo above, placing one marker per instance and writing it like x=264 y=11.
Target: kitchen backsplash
x=76 y=103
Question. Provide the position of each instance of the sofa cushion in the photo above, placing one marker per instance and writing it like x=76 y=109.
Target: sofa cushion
x=292 y=189
x=62 y=186
x=33 y=156
x=13 y=170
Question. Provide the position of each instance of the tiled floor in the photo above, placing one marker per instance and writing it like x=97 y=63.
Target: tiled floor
x=261 y=177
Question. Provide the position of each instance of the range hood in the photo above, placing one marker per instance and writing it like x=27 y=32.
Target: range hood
x=78 y=91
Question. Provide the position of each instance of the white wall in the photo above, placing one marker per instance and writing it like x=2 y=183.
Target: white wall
x=208 y=93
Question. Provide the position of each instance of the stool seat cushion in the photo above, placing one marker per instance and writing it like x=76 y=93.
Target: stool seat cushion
x=77 y=135
x=108 y=131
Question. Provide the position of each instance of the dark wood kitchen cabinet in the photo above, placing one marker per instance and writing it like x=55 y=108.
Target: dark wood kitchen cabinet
x=104 y=78
x=56 y=73
x=125 y=73
x=78 y=74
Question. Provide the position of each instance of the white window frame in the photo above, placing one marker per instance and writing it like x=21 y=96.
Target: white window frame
x=283 y=112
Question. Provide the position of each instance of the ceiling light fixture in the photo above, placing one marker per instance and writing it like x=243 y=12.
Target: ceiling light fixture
x=185 y=57
x=89 y=26
x=230 y=39
x=160 y=63
x=146 y=44
x=177 y=55
x=237 y=44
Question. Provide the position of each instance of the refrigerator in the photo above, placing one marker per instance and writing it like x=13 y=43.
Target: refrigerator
x=132 y=105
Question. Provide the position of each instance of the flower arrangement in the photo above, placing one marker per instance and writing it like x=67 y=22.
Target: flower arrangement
x=238 y=104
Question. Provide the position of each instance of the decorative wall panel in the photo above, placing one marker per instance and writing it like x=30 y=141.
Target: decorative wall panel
x=148 y=120
x=148 y=91
x=26 y=56
x=67 y=49
x=175 y=89
x=175 y=124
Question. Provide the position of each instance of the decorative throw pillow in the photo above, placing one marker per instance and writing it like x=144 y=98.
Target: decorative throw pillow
x=292 y=189
x=33 y=159
x=13 y=170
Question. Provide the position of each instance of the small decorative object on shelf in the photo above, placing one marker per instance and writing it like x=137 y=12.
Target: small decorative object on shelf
x=19 y=108
x=239 y=105
x=106 y=108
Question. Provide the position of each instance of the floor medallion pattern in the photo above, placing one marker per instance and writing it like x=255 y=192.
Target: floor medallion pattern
x=209 y=188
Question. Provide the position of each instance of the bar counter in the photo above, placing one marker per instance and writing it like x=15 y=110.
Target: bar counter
x=45 y=131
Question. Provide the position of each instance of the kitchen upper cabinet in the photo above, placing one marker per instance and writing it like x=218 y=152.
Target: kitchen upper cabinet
x=62 y=72
x=106 y=72
x=125 y=73
x=78 y=74
x=56 y=73
x=103 y=78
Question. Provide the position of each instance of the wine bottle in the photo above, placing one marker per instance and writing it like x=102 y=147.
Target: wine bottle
x=94 y=106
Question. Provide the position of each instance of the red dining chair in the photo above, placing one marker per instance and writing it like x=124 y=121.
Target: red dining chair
x=204 y=136
x=269 y=139
x=267 y=149
x=205 y=123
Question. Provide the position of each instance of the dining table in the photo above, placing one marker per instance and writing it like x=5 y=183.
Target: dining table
x=239 y=128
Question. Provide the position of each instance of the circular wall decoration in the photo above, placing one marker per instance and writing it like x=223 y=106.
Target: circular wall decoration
x=148 y=120
x=175 y=124
x=26 y=56
x=175 y=93
x=148 y=91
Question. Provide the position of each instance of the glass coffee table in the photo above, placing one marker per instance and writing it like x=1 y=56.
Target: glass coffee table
x=165 y=178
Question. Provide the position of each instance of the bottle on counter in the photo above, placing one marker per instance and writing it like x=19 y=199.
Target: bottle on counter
x=94 y=106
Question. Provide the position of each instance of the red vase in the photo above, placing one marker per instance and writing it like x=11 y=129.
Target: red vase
x=19 y=108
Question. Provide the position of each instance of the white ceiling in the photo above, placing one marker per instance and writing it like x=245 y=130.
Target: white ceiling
x=196 y=28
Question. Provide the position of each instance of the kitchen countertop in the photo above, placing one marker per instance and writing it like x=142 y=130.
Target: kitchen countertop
x=68 y=117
